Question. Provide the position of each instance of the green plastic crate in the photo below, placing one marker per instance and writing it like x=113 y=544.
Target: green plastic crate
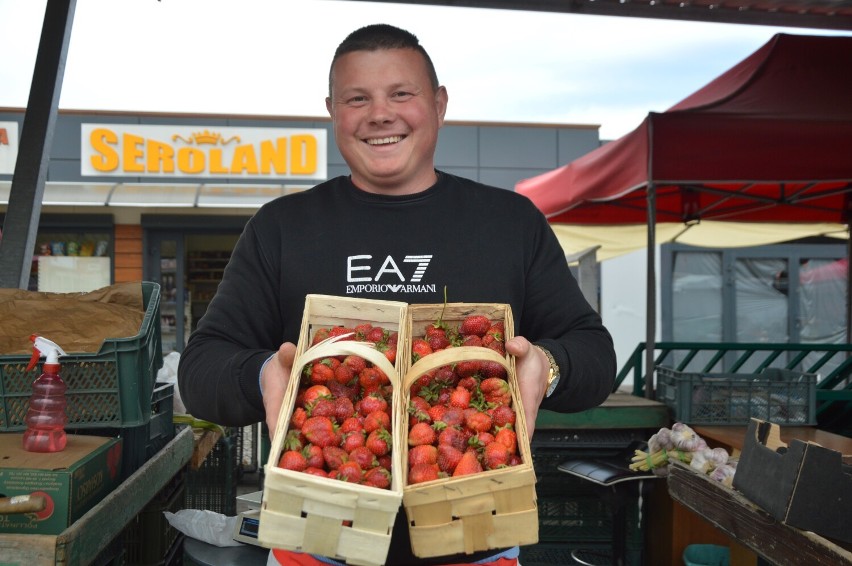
x=779 y=396
x=112 y=387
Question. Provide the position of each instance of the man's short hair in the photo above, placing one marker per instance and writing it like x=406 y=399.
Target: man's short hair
x=382 y=36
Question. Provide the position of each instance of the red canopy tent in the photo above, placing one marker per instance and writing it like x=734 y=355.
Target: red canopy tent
x=768 y=140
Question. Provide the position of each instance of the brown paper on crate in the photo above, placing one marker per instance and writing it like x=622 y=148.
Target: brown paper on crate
x=78 y=322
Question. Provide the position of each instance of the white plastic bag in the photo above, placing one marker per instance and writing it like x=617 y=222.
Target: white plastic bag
x=206 y=526
x=168 y=374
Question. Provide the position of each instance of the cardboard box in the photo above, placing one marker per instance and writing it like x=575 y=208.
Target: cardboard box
x=72 y=481
x=801 y=484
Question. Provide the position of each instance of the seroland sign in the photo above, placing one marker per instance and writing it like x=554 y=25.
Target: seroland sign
x=110 y=150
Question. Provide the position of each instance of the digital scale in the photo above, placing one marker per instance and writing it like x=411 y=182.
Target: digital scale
x=248 y=522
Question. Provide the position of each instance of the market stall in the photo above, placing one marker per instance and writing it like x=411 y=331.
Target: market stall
x=767 y=141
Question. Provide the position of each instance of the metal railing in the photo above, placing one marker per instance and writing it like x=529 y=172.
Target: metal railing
x=832 y=363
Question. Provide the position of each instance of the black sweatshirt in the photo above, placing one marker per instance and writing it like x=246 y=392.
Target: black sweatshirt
x=484 y=244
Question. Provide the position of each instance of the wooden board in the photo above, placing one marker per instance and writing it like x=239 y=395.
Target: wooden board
x=735 y=515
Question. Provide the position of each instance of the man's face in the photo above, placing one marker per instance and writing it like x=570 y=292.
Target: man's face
x=386 y=119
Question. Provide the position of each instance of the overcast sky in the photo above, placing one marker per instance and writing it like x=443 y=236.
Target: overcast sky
x=271 y=57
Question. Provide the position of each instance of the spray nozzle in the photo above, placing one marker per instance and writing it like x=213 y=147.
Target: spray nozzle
x=44 y=347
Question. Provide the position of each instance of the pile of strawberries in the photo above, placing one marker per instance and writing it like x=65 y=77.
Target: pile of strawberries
x=340 y=426
x=460 y=416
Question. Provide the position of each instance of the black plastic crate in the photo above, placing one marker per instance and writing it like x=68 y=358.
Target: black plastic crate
x=780 y=396
x=213 y=486
x=149 y=538
x=140 y=443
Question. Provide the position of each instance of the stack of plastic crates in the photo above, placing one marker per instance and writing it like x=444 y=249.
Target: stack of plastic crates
x=572 y=516
x=213 y=486
x=109 y=393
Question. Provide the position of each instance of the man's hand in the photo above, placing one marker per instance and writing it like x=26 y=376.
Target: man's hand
x=532 y=368
x=276 y=375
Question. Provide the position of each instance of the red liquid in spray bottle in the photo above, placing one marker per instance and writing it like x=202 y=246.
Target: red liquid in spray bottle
x=46 y=416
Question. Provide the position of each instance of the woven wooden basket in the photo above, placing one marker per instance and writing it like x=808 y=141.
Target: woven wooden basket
x=306 y=513
x=490 y=510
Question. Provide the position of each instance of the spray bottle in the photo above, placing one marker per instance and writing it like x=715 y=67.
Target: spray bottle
x=46 y=416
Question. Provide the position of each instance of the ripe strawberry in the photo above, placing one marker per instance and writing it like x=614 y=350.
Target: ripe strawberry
x=389 y=350
x=453 y=416
x=344 y=374
x=448 y=458
x=418 y=411
x=498 y=331
x=508 y=438
x=377 y=335
x=320 y=373
x=422 y=473
x=293 y=460
x=419 y=349
x=322 y=407
x=379 y=442
x=313 y=392
x=422 y=454
x=421 y=433
x=349 y=471
x=298 y=418
x=319 y=336
x=469 y=464
x=357 y=363
x=352 y=424
x=496 y=390
x=475 y=324
x=468 y=368
x=478 y=421
x=498 y=347
x=341 y=331
x=377 y=477
x=316 y=472
x=372 y=402
x=438 y=341
x=313 y=454
x=365 y=458
x=343 y=409
x=489 y=369
x=362 y=330
x=393 y=338
x=376 y=420
x=385 y=461
x=353 y=440
x=496 y=455
x=452 y=436
x=436 y=413
x=503 y=415
x=370 y=378
x=334 y=456
x=472 y=340
x=319 y=431
x=460 y=398
x=339 y=390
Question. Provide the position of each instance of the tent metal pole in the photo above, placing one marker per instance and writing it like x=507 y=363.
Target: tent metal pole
x=651 y=293
x=22 y=216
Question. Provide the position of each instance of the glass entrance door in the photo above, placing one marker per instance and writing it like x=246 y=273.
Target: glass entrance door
x=166 y=266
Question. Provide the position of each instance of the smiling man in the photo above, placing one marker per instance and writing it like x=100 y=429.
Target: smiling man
x=395 y=229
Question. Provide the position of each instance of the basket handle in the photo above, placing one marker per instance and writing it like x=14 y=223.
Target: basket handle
x=449 y=356
x=334 y=346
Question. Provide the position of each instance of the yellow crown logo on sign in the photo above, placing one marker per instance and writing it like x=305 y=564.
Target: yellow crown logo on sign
x=206 y=137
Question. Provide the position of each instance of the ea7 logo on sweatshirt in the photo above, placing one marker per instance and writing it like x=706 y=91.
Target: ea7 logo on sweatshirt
x=367 y=274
